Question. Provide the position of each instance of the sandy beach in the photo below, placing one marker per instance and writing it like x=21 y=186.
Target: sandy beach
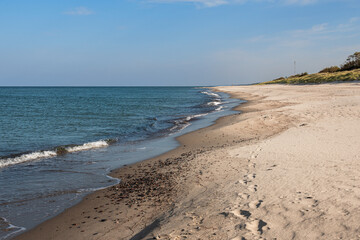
x=285 y=167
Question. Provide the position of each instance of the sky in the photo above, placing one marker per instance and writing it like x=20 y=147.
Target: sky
x=171 y=42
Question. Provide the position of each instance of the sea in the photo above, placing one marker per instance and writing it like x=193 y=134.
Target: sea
x=58 y=144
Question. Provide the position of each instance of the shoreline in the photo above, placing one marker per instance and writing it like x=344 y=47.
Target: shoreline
x=282 y=168
x=81 y=183
x=124 y=173
x=128 y=172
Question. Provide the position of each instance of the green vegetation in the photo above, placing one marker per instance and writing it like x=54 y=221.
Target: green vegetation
x=342 y=76
x=331 y=69
x=349 y=71
x=299 y=75
x=352 y=62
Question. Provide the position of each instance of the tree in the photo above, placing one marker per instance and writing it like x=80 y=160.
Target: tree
x=352 y=62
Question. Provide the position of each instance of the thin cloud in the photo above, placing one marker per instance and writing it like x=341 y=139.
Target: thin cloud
x=316 y=29
x=326 y=29
x=354 y=19
x=300 y=2
x=312 y=36
x=205 y=3
x=79 y=11
x=215 y=3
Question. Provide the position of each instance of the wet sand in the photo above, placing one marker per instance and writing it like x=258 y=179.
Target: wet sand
x=286 y=168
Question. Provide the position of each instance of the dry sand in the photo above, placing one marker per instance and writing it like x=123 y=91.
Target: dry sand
x=287 y=167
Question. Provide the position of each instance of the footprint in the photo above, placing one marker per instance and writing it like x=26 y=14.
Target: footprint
x=252 y=188
x=271 y=167
x=244 y=181
x=256 y=226
x=255 y=153
x=238 y=238
x=243 y=195
x=252 y=165
x=251 y=176
x=306 y=199
x=241 y=213
x=196 y=219
x=255 y=204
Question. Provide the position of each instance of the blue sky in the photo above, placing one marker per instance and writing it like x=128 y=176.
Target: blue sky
x=171 y=42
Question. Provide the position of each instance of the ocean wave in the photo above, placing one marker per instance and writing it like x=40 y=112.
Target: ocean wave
x=211 y=94
x=215 y=103
x=219 y=108
x=116 y=181
x=8 y=227
x=177 y=128
x=26 y=157
x=183 y=123
x=188 y=118
x=88 y=146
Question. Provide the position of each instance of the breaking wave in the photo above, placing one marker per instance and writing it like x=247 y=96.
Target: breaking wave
x=215 y=103
x=88 y=146
x=6 y=226
x=26 y=157
x=217 y=100
x=211 y=94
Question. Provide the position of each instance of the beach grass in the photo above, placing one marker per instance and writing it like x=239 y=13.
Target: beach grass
x=318 y=78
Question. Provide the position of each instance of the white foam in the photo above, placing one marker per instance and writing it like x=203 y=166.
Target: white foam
x=215 y=103
x=182 y=128
x=200 y=115
x=211 y=94
x=88 y=146
x=49 y=154
x=195 y=116
x=26 y=157
x=9 y=227
x=219 y=108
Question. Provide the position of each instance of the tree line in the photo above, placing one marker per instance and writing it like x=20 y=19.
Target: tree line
x=351 y=63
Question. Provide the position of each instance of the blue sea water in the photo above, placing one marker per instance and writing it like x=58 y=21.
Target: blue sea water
x=100 y=128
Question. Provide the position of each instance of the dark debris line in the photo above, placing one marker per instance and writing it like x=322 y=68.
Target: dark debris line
x=156 y=184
